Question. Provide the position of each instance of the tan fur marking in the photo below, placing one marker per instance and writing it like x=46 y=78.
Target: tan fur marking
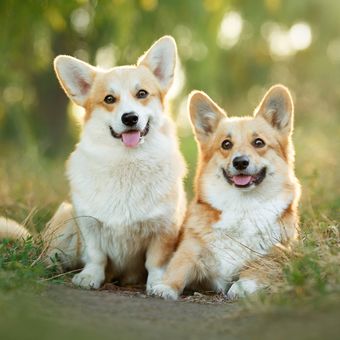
x=289 y=224
x=193 y=257
x=126 y=77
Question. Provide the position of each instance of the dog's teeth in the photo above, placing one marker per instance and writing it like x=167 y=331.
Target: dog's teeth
x=141 y=141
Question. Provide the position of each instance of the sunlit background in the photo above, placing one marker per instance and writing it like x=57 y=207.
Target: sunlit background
x=233 y=50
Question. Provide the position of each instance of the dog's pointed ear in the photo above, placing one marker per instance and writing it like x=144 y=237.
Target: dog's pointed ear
x=75 y=76
x=161 y=60
x=205 y=115
x=277 y=108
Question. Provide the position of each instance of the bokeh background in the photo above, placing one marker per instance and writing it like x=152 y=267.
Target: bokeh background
x=233 y=50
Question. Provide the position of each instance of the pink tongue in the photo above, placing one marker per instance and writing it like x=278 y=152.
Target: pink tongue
x=241 y=180
x=131 y=138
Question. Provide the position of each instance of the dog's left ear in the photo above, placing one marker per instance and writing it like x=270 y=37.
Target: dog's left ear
x=277 y=108
x=161 y=60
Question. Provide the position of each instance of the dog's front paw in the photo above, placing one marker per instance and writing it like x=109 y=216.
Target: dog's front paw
x=164 y=291
x=88 y=280
x=154 y=278
x=242 y=288
x=234 y=293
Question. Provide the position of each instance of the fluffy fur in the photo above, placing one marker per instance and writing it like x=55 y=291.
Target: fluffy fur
x=237 y=217
x=128 y=200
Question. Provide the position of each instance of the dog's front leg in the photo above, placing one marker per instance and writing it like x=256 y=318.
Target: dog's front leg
x=157 y=256
x=180 y=272
x=93 y=274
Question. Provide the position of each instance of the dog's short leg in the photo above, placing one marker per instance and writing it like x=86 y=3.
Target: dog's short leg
x=180 y=272
x=157 y=256
x=93 y=274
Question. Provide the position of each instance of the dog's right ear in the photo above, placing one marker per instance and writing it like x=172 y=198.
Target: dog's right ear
x=205 y=115
x=75 y=76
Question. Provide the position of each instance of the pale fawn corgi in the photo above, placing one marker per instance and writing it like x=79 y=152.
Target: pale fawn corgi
x=125 y=174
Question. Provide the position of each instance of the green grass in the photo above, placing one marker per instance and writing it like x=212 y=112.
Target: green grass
x=311 y=272
x=20 y=265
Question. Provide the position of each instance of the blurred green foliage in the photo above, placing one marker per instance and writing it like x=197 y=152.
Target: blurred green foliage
x=231 y=49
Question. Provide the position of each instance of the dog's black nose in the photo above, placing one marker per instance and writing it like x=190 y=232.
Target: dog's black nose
x=129 y=118
x=241 y=162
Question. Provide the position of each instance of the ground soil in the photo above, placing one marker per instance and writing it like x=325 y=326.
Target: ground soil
x=129 y=313
x=63 y=312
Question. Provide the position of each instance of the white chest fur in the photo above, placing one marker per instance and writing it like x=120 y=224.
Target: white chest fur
x=131 y=193
x=125 y=187
x=122 y=193
x=248 y=228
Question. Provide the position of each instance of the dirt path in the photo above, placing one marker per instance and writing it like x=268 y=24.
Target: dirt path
x=68 y=313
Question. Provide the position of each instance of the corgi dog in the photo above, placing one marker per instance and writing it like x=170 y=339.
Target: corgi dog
x=246 y=197
x=125 y=174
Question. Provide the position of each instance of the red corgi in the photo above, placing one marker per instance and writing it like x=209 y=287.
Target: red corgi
x=246 y=197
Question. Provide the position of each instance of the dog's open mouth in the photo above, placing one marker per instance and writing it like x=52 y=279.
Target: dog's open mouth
x=245 y=180
x=131 y=138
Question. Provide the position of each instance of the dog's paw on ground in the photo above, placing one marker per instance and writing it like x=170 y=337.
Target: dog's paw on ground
x=163 y=291
x=203 y=297
x=242 y=288
x=87 y=280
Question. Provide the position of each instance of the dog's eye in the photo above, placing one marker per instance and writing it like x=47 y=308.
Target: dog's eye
x=109 y=99
x=142 y=94
x=227 y=144
x=258 y=143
